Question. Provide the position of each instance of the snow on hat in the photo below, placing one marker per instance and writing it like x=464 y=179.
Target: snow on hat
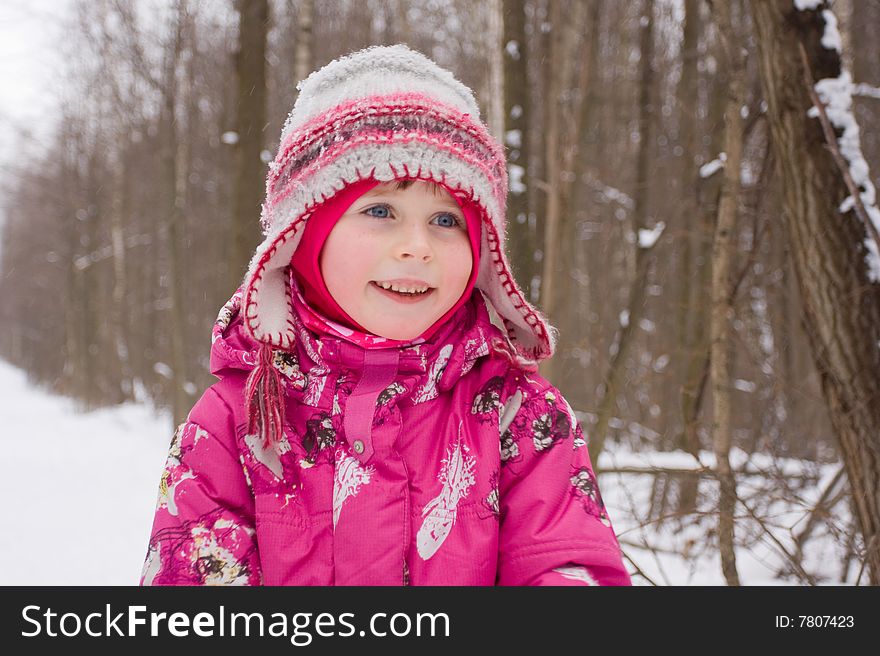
x=386 y=112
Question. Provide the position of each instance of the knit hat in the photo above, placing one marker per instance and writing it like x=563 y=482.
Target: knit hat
x=386 y=113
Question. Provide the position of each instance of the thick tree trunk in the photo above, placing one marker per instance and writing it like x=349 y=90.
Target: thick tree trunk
x=643 y=255
x=517 y=113
x=866 y=70
x=708 y=192
x=560 y=154
x=250 y=174
x=841 y=304
x=690 y=350
x=576 y=284
x=558 y=78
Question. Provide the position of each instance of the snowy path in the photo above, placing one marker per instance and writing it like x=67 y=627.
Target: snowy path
x=79 y=489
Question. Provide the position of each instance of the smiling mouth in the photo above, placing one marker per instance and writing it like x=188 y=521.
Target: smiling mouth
x=403 y=295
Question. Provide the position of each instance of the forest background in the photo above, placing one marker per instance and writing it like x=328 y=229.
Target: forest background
x=706 y=243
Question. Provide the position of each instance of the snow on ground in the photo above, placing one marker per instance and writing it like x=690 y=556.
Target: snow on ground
x=80 y=491
x=683 y=551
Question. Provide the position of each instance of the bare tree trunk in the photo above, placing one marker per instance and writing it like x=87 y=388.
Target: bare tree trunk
x=90 y=311
x=575 y=283
x=643 y=255
x=118 y=324
x=553 y=165
x=561 y=148
x=689 y=314
x=251 y=121
x=401 y=28
x=708 y=191
x=75 y=293
x=588 y=93
x=788 y=321
x=522 y=240
x=305 y=40
x=841 y=304
x=184 y=191
x=495 y=101
x=722 y=297
x=173 y=219
x=866 y=70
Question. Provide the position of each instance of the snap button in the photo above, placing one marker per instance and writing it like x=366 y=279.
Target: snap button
x=358 y=447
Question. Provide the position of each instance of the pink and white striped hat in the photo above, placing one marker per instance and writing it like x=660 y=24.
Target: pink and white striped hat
x=386 y=113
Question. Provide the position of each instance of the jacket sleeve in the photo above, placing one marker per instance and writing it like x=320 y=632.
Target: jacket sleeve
x=554 y=526
x=203 y=530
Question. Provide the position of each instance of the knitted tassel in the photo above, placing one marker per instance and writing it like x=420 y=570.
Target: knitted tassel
x=265 y=399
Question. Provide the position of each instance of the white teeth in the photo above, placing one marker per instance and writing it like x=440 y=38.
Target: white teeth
x=396 y=288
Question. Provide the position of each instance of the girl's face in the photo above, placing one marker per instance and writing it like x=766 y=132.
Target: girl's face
x=414 y=239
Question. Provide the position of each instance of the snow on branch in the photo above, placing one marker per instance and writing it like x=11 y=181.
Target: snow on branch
x=708 y=170
x=866 y=91
x=649 y=236
x=832 y=105
x=807 y=5
x=608 y=193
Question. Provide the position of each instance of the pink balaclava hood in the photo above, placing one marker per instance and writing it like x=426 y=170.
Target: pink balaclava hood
x=306 y=260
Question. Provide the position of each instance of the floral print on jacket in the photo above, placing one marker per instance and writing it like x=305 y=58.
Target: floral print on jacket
x=467 y=471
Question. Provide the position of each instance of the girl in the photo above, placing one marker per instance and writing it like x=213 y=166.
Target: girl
x=378 y=418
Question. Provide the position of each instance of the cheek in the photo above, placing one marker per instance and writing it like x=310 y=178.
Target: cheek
x=341 y=259
x=459 y=261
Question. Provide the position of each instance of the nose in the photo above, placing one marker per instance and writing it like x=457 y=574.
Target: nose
x=414 y=243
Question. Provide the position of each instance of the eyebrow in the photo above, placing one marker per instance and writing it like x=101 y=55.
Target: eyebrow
x=389 y=196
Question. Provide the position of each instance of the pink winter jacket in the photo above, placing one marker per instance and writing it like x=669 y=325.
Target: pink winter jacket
x=435 y=464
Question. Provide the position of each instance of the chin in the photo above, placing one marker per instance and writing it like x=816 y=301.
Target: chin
x=403 y=337
x=397 y=334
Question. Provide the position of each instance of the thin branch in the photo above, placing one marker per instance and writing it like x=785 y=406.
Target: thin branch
x=639 y=570
x=861 y=571
x=667 y=551
x=662 y=518
x=632 y=504
x=136 y=51
x=872 y=543
x=700 y=471
x=791 y=559
x=671 y=471
x=823 y=505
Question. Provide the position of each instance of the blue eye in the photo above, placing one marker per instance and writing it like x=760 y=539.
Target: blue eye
x=378 y=211
x=451 y=220
x=383 y=211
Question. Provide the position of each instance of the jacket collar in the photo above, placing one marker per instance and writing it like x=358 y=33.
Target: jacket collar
x=329 y=346
x=321 y=349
